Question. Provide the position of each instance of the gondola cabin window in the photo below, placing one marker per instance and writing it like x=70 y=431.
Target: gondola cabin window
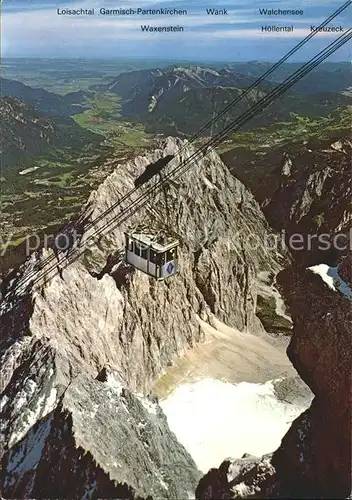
x=131 y=246
x=161 y=259
x=171 y=255
x=141 y=250
x=153 y=256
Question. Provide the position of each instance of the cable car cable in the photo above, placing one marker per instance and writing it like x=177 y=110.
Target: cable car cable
x=143 y=199
x=272 y=69
x=304 y=70
x=224 y=111
x=298 y=75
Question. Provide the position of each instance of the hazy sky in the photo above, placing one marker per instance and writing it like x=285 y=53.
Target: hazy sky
x=32 y=28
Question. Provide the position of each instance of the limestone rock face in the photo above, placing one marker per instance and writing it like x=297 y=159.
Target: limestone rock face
x=98 y=311
x=317 y=448
x=100 y=442
x=304 y=189
x=240 y=478
x=314 y=459
x=345 y=268
x=313 y=199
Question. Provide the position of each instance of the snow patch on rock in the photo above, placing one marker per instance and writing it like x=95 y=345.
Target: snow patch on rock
x=331 y=277
x=114 y=383
x=152 y=408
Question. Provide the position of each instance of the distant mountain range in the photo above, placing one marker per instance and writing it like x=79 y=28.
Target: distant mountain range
x=135 y=83
x=25 y=133
x=327 y=77
x=47 y=103
x=179 y=101
x=175 y=101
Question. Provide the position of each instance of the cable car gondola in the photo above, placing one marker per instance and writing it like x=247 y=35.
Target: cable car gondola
x=155 y=255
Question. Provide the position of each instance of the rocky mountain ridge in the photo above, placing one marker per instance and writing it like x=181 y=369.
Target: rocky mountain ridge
x=100 y=312
x=134 y=83
x=327 y=77
x=309 y=174
x=179 y=101
x=305 y=191
x=186 y=113
x=45 y=102
x=118 y=449
x=25 y=133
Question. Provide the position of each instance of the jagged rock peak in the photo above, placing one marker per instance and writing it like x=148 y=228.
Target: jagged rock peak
x=214 y=216
x=106 y=443
x=98 y=311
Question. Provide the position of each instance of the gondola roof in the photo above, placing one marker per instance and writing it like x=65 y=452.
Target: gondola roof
x=158 y=242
